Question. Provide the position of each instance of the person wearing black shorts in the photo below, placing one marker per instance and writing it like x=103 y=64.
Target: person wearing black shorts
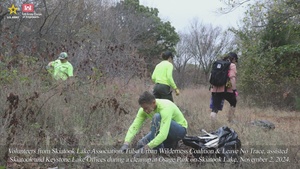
x=227 y=92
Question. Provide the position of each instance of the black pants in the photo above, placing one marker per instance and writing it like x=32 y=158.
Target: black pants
x=162 y=91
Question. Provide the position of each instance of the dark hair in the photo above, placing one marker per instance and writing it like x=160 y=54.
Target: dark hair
x=166 y=55
x=232 y=55
x=146 y=97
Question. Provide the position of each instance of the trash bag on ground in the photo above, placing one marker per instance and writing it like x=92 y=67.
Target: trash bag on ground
x=265 y=124
x=222 y=145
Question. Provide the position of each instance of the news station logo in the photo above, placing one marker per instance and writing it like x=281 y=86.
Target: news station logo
x=27 y=8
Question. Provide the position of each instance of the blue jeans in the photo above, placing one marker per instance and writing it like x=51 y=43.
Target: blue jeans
x=176 y=133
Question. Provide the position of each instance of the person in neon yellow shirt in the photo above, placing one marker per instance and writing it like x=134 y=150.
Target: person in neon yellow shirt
x=61 y=69
x=168 y=124
x=163 y=78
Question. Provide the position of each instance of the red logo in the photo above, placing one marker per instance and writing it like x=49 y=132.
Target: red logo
x=27 y=8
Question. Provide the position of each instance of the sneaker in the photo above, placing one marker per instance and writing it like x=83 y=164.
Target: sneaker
x=213 y=115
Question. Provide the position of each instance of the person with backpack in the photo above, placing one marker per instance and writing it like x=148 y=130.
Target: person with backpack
x=168 y=124
x=163 y=78
x=223 y=82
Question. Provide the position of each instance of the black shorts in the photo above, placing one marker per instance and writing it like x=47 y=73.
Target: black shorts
x=219 y=96
x=162 y=91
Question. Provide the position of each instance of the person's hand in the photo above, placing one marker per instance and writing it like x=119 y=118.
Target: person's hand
x=49 y=64
x=125 y=147
x=177 y=91
x=235 y=93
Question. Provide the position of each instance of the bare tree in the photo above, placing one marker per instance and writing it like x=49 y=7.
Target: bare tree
x=231 y=5
x=105 y=37
x=205 y=44
x=181 y=60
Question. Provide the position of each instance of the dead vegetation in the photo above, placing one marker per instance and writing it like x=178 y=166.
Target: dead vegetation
x=97 y=117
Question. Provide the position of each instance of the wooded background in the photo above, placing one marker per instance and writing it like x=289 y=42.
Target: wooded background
x=123 y=40
x=114 y=47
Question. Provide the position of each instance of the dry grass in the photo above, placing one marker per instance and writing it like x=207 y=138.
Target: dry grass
x=92 y=117
x=196 y=102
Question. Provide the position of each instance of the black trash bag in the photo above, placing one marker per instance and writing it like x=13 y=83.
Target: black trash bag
x=226 y=148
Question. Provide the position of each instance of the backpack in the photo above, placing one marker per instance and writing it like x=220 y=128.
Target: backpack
x=219 y=73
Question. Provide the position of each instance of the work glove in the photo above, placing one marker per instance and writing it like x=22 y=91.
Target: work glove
x=177 y=91
x=124 y=148
x=235 y=93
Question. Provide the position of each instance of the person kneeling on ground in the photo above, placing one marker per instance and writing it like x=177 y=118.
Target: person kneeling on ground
x=168 y=124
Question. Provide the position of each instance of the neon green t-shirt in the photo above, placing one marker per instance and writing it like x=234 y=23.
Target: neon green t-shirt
x=168 y=111
x=163 y=74
x=60 y=71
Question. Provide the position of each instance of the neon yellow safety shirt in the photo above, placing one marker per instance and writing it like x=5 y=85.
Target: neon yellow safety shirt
x=168 y=111
x=163 y=74
x=61 y=71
